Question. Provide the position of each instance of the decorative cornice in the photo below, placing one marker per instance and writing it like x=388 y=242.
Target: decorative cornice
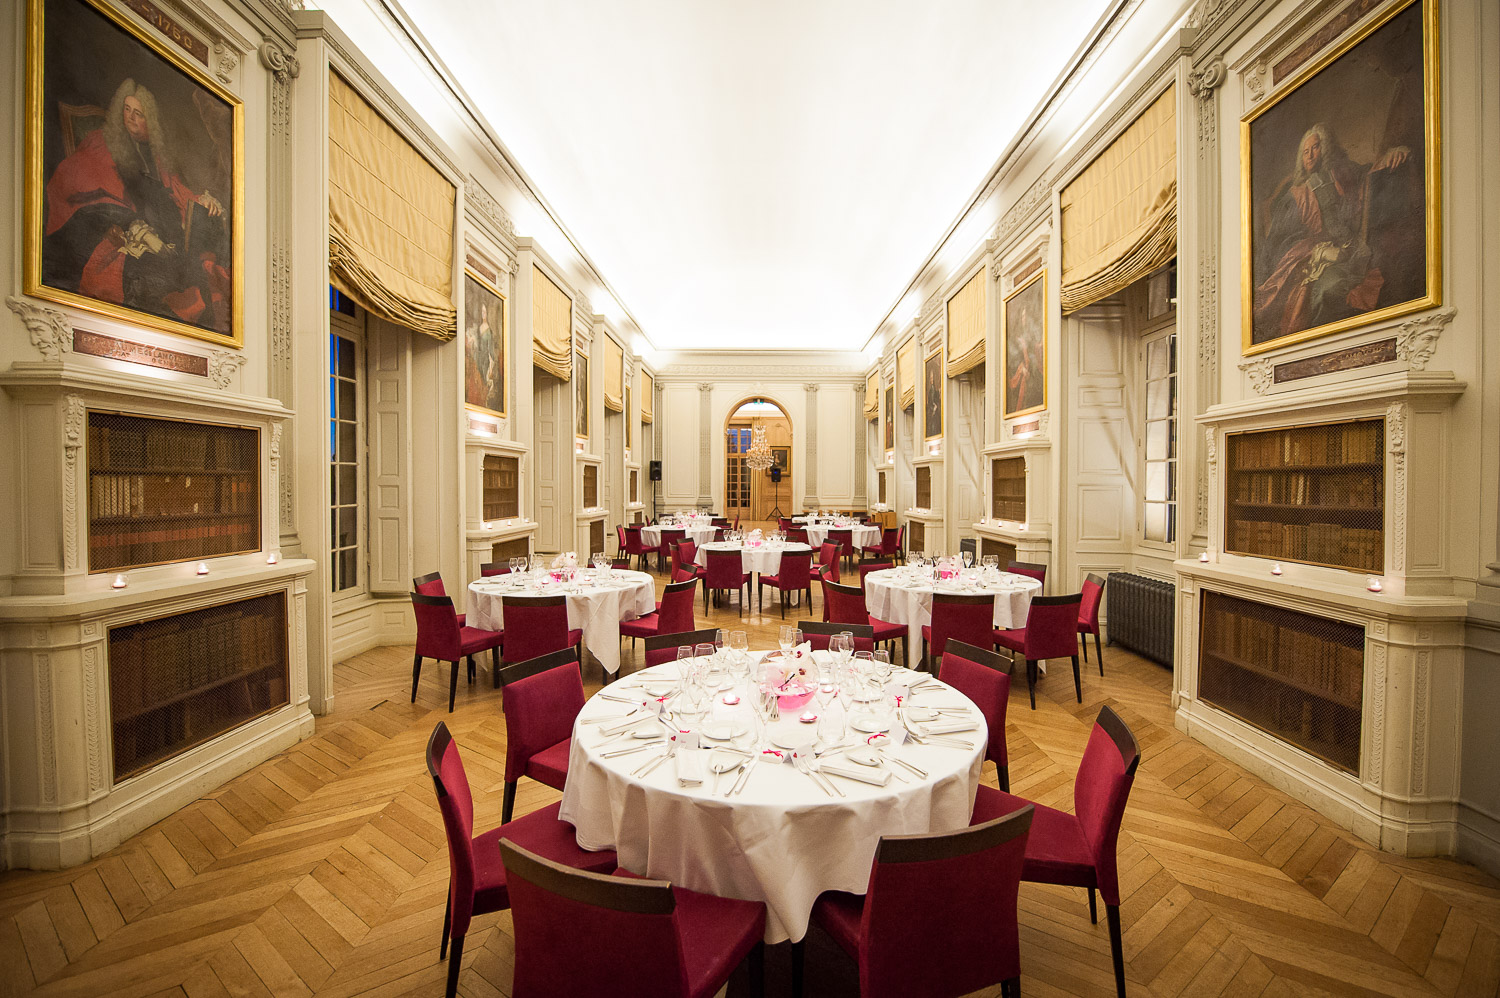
x=51 y=333
x=932 y=308
x=1260 y=372
x=692 y=372
x=223 y=364
x=282 y=64
x=488 y=209
x=1202 y=83
x=1416 y=339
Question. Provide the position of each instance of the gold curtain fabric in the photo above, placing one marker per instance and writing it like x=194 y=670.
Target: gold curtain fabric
x=1119 y=216
x=906 y=373
x=872 y=396
x=390 y=219
x=646 y=402
x=614 y=376
x=551 y=326
x=966 y=326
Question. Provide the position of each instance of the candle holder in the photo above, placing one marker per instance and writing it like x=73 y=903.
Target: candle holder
x=273 y=557
x=1276 y=568
x=1373 y=584
x=202 y=568
x=119 y=582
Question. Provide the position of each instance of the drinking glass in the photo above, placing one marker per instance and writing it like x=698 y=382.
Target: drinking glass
x=704 y=651
x=882 y=665
x=992 y=561
x=968 y=559
x=684 y=659
x=787 y=638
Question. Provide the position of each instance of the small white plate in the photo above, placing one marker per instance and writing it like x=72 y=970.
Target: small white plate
x=865 y=757
x=723 y=762
x=793 y=738
x=869 y=724
x=658 y=689
x=722 y=730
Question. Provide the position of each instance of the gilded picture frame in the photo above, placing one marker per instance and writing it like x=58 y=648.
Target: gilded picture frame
x=147 y=246
x=581 y=394
x=932 y=396
x=1023 y=348
x=486 y=346
x=888 y=415
x=1340 y=187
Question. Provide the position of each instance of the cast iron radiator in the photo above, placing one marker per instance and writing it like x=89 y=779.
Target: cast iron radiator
x=1142 y=615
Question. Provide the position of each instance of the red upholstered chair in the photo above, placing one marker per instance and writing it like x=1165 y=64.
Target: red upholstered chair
x=687 y=553
x=431 y=584
x=1030 y=569
x=720 y=521
x=939 y=915
x=783 y=523
x=537 y=625
x=633 y=546
x=670 y=538
x=818 y=632
x=542 y=698
x=440 y=636
x=476 y=877
x=1078 y=849
x=619 y=540
x=725 y=572
x=846 y=605
x=793 y=574
x=662 y=648
x=736 y=521
x=1051 y=631
x=844 y=538
x=645 y=938
x=1088 y=617
x=683 y=574
x=490 y=569
x=828 y=560
x=981 y=676
x=888 y=548
x=797 y=535
x=675 y=613
x=970 y=619
x=620 y=564
x=866 y=567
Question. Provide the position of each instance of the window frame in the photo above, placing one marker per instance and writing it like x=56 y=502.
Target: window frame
x=353 y=330
x=1168 y=332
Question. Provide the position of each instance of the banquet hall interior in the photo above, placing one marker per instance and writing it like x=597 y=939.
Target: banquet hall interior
x=817 y=498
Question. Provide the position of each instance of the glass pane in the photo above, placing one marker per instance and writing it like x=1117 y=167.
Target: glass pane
x=346 y=399
x=348 y=523
x=1172 y=346
x=1156 y=521
x=1172 y=522
x=1172 y=435
x=1158 y=399
x=1157 y=444
x=345 y=365
x=1171 y=479
x=1172 y=392
x=346 y=442
x=348 y=569
x=1156 y=480
x=348 y=484
x=333 y=486
x=1158 y=358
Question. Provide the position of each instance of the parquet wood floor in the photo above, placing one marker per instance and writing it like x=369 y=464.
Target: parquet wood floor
x=323 y=871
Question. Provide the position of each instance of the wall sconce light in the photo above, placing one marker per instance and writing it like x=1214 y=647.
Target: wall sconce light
x=119 y=582
x=202 y=568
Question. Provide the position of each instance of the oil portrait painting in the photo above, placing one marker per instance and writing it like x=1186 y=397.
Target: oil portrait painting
x=932 y=396
x=1024 y=351
x=484 y=345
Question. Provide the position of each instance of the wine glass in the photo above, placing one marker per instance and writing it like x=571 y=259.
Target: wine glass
x=739 y=647
x=787 y=639
x=882 y=665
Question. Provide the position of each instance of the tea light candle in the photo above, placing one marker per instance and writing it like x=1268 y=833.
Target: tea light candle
x=1276 y=568
x=808 y=717
x=273 y=557
x=119 y=582
x=202 y=568
x=1373 y=584
x=1203 y=557
x=730 y=700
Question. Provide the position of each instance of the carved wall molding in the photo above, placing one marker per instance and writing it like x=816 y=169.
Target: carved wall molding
x=932 y=309
x=223 y=365
x=1261 y=372
x=1018 y=217
x=1255 y=81
x=1202 y=83
x=1376 y=767
x=46 y=727
x=50 y=331
x=283 y=65
x=489 y=211
x=75 y=413
x=678 y=373
x=1395 y=437
x=1420 y=683
x=226 y=60
x=94 y=731
x=1416 y=339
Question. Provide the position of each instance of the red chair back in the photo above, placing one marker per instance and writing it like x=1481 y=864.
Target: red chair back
x=844 y=538
x=1029 y=569
x=726 y=570
x=890 y=541
x=662 y=648
x=620 y=537
x=534 y=626
x=687 y=552
x=457 y=807
x=1052 y=627
x=680 y=574
x=676 y=613
x=542 y=699
x=797 y=535
x=795 y=569
x=736 y=521
x=981 y=676
x=493 y=568
x=1088 y=610
x=818 y=632
x=670 y=538
x=1101 y=791
x=633 y=540
x=845 y=604
x=828 y=554
x=784 y=524
x=941 y=910
x=430 y=584
x=866 y=567
x=437 y=627
x=970 y=619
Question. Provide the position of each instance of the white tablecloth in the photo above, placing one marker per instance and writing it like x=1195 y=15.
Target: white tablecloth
x=651 y=536
x=765 y=560
x=904 y=596
x=863 y=536
x=595 y=607
x=781 y=840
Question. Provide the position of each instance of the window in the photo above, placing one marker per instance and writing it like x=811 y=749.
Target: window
x=736 y=475
x=346 y=456
x=1160 y=494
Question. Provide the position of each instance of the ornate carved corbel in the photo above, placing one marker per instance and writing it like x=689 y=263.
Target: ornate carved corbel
x=282 y=64
x=222 y=365
x=1416 y=339
x=51 y=333
x=1261 y=374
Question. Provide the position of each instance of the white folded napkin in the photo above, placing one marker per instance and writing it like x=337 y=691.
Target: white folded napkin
x=864 y=774
x=690 y=767
x=948 y=727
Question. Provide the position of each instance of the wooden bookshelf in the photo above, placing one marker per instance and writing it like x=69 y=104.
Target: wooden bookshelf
x=590 y=486
x=166 y=490
x=1008 y=489
x=881 y=488
x=516 y=547
x=501 y=484
x=924 y=487
x=635 y=486
x=596 y=538
x=1294 y=675
x=1313 y=494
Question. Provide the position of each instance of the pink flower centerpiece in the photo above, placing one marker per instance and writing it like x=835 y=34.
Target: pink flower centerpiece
x=791 y=679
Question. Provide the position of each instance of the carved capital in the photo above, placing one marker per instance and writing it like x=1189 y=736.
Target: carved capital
x=705 y=387
x=1260 y=372
x=1395 y=431
x=1416 y=339
x=811 y=387
x=1255 y=81
x=51 y=333
x=226 y=61
x=282 y=65
x=223 y=364
x=1203 y=82
x=1210 y=448
x=276 y=441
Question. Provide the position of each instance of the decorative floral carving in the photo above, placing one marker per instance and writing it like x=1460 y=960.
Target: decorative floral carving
x=74 y=415
x=93 y=727
x=1376 y=768
x=51 y=333
x=1203 y=82
x=45 y=726
x=223 y=364
x=1416 y=339
x=226 y=61
x=1210 y=448
x=931 y=309
x=490 y=210
x=1395 y=436
x=276 y=441
x=1021 y=211
x=1419 y=721
x=1260 y=371
x=282 y=64
x=1255 y=81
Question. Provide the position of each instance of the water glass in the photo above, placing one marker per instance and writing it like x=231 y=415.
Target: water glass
x=787 y=638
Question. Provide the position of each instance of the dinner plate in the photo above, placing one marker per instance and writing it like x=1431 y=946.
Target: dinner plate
x=658 y=689
x=722 y=730
x=793 y=738
x=870 y=724
x=723 y=762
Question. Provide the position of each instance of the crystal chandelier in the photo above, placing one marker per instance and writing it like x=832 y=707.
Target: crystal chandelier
x=758 y=457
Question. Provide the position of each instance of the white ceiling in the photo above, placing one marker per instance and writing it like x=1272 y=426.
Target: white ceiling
x=764 y=174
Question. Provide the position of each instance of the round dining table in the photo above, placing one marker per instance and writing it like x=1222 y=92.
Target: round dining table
x=698 y=533
x=862 y=535
x=763 y=558
x=598 y=599
x=765 y=830
x=904 y=596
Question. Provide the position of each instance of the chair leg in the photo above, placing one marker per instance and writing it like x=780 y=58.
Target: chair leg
x=447 y=921
x=1004 y=773
x=472 y=669
x=781 y=599
x=416 y=673
x=798 y=955
x=1085 y=639
x=757 y=968
x=509 y=804
x=452 y=685
x=495 y=665
x=1031 y=680
x=1077 y=682
x=1112 y=915
x=1098 y=647
x=454 y=963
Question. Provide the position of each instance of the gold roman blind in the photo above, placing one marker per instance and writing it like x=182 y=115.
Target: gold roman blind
x=390 y=219
x=551 y=326
x=648 y=405
x=1119 y=216
x=872 y=396
x=966 y=326
x=614 y=376
x=906 y=373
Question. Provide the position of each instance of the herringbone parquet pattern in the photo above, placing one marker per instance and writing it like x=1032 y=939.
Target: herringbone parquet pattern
x=323 y=872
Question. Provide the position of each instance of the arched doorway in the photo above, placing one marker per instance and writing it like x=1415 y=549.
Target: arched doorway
x=757 y=496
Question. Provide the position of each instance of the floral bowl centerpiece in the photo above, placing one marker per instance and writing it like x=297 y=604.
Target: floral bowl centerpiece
x=791 y=678
x=564 y=565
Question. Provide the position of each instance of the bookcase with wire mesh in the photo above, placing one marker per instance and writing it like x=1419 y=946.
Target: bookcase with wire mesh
x=501 y=487
x=924 y=487
x=590 y=486
x=1008 y=489
x=168 y=490
x=1313 y=494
